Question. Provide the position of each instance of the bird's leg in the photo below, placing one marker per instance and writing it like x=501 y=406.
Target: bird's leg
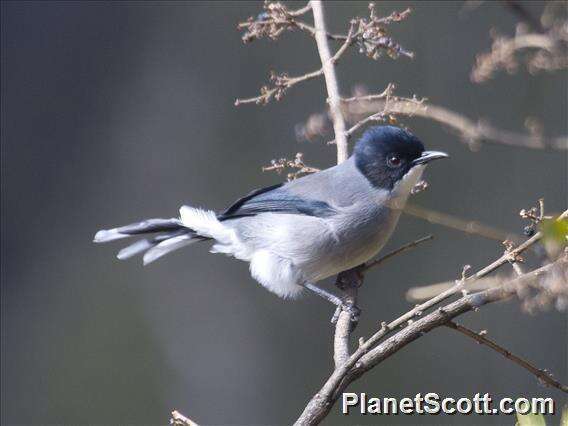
x=332 y=298
x=351 y=278
x=348 y=282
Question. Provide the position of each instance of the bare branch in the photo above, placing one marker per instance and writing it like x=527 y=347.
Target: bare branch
x=373 y=40
x=283 y=82
x=471 y=132
x=471 y=227
x=399 y=250
x=331 y=79
x=503 y=56
x=271 y=23
x=543 y=375
x=297 y=164
x=368 y=355
x=343 y=324
x=422 y=293
x=179 y=419
x=370 y=36
x=301 y=11
x=543 y=49
x=554 y=289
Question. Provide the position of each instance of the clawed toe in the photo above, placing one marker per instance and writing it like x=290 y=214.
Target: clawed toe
x=350 y=308
x=354 y=311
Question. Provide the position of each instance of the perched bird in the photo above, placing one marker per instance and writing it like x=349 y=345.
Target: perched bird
x=300 y=232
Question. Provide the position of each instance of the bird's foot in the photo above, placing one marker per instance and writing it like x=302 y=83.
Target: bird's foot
x=342 y=304
x=352 y=309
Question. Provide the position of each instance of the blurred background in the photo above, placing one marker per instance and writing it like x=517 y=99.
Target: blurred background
x=118 y=111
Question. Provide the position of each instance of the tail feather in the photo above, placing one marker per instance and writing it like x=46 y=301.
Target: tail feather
x=171 y=235
x=168 y=246
x=144 y=227
x=143 y=245
x=133 y=249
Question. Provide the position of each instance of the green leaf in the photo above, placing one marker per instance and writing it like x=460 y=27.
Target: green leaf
x=564 y=419
x=554 y=235
x=530 y=420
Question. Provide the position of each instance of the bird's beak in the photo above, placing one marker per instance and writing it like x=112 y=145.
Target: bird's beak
x=428 y=156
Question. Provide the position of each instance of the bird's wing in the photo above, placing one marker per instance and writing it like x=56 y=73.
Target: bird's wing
x=275 y=199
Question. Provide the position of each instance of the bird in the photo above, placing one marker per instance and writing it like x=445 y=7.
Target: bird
x=298 y=233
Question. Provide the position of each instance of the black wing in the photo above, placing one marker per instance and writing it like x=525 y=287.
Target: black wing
x=275 y=199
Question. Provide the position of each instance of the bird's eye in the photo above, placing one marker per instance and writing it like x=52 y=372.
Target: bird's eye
x=394 y=160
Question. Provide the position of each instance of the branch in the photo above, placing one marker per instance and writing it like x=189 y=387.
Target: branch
x=542 y=375
x=393 y=253
x=471 y=227
x=282 y=82
x=331 y=79
x=370 y=353
x=470 y=131
x=371 y=38
x=277 y=18
x=179 y=419
x=345 y=279
x=367 y=357
x=544 y=47
x=297 y=164
x=549 y=56
x=426 y=292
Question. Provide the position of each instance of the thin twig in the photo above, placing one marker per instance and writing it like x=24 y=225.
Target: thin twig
x=283 y=82
x=389 y=90
x=178 y=419
x=399 y=250
x=504 y=52
x=468 y=226
x=297 y=165
x=425 y=292
x=301 y=11
x=542 y=375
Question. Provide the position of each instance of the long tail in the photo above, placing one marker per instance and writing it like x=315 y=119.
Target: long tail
x=170 y=235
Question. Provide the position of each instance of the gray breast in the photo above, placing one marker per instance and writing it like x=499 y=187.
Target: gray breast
x=359 y=235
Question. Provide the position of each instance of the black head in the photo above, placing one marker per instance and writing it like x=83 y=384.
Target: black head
x=384 y=154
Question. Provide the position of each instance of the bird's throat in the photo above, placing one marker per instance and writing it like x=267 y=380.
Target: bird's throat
x=403 y=188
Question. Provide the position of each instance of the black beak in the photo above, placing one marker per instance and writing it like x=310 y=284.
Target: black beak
x=428 y=156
